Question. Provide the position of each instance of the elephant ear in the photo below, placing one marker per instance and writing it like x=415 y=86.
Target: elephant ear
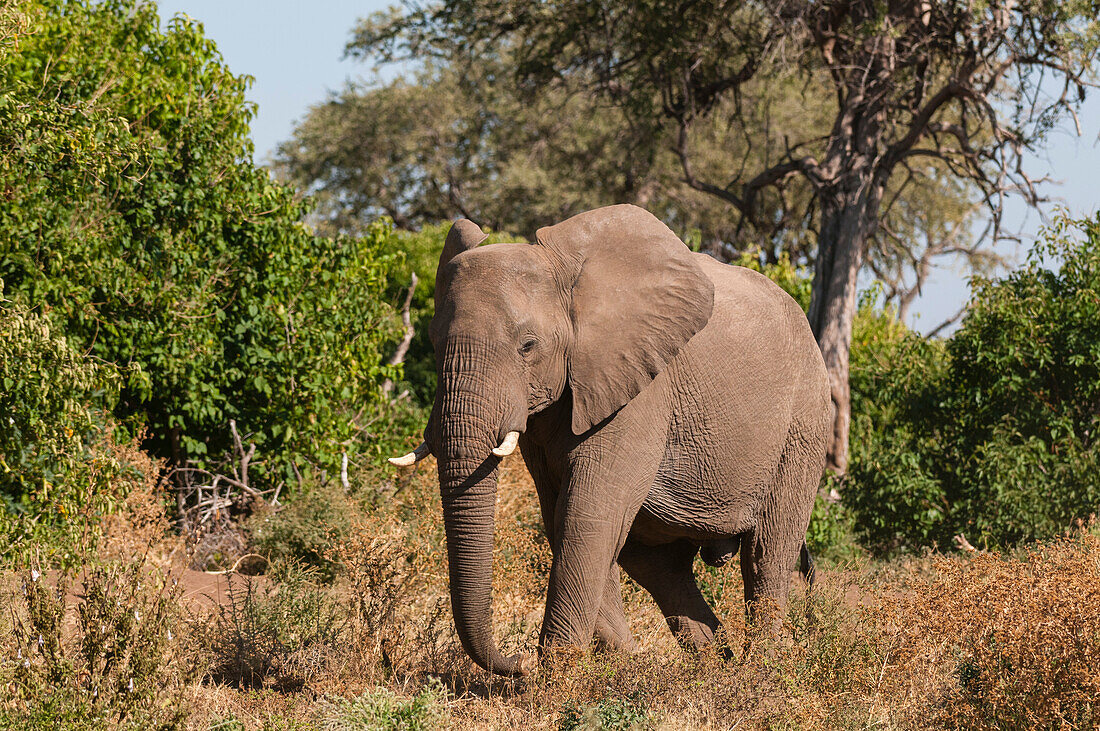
x=638 y=296
x=463 y=236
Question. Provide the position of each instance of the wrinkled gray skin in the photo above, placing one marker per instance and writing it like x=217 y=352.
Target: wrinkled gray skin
x=667 y=403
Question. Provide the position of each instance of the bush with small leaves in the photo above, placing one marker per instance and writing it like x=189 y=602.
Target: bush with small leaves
x=64 y=465
x=136 y=222
x=617 y=714
x=277 y=630
x=124 y=665
x=990 y=435
x=381 y=709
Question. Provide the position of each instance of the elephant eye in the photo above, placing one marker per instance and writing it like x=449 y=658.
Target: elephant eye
x=527 y=347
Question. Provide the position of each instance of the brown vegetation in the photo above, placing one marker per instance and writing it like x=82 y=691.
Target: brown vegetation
x=975 y=641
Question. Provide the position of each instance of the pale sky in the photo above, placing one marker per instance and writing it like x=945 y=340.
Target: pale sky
x=294 y=51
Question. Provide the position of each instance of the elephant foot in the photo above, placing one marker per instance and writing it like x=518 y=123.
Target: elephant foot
x=720 y=553
x=615 y=644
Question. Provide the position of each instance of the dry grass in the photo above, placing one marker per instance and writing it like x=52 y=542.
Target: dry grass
x=975 y=641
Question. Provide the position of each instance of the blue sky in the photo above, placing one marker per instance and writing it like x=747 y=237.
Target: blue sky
x=294 y=50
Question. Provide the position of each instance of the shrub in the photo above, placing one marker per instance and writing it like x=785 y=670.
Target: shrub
x=278 y=632
x=121 y=668
x=990 y=434
x=1020 y=637
x=306 y=529
x=135 y=220
x=1024 y=394
x=892 y=489
x=380 y=563
x=609 y=713
x=380 y=709
x=62 y=465
x=830 y=534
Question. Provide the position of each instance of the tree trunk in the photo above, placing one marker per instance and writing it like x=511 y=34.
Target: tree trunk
x=847 y=220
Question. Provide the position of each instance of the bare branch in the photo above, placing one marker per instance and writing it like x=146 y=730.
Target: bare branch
x=946 y=323
x=402 y=350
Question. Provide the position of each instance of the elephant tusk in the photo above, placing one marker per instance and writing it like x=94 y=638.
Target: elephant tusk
x=511 y=439
x=412 y=457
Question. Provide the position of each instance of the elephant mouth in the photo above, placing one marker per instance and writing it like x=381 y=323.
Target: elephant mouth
x=538 y=398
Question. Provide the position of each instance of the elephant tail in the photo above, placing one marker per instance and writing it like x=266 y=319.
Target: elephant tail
x=806 y=565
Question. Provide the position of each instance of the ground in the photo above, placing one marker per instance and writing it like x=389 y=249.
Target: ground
x=962 y=641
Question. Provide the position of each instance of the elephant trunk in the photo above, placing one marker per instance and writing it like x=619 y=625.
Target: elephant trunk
x=469 y=507
x=470 y=426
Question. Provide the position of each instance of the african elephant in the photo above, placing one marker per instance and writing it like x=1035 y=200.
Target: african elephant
x=663 y=402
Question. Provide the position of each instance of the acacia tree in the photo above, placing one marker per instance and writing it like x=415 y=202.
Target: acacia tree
x=959 y=87
x=456 y=136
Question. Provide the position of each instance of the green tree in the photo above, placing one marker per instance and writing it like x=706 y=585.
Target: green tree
x=991 y=434
x=965 y=85
x=456 y=136
x=442 y=141
x=135 y=221
x=61 y=468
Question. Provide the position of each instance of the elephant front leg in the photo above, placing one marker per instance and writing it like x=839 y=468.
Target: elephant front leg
x=579 y=578
x=612 y=629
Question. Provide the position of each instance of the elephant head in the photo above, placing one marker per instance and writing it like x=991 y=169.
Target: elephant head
x=592 y=312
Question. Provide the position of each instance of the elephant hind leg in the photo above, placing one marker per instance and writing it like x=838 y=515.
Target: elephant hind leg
x=665 y=571
x=771 y=552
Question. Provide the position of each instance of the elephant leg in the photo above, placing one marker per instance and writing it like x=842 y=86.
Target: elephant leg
x=612 y=629
x=665 y=571
x=770 y=552
x=586 y=545
x=607 y=477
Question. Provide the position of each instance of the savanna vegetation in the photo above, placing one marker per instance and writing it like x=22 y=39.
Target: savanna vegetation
x=198 y=387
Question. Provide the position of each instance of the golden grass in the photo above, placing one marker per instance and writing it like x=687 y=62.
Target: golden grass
x=963 y=641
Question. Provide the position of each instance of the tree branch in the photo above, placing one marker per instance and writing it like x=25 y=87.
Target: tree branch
x=402 y=350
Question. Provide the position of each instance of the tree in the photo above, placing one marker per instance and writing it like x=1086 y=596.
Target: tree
x=136 y=224
x=958 y=88
x=450 y=138
x=992 y=433
x=444 y=141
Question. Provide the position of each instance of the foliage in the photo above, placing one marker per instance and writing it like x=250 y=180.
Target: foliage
x=275 y=634
x=380 y=709
x=62 y=465
x=790 y=83
x=990 y=434
x=1024 y=386
x=136 y=222
x=458 y=135
x=609 y=713
x=306 y=529
x=53 y=400
x=445 y=140
x=794 y=280
x=121 y=668
x=831 y=533
x=891 y=489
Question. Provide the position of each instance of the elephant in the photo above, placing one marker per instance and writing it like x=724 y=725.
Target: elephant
x=664 y=403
